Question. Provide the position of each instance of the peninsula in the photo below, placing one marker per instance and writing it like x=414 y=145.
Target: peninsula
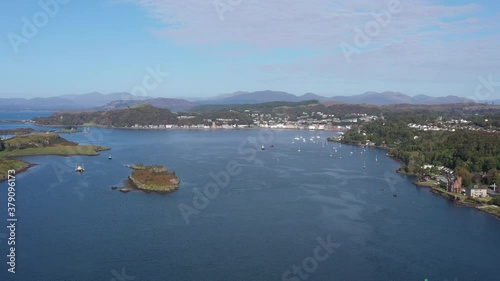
x=34 y=144
x=153 y=178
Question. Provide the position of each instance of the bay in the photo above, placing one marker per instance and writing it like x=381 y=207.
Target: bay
x=268 y=218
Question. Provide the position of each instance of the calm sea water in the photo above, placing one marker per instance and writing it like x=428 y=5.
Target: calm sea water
x=268 y=219
x=23 y=115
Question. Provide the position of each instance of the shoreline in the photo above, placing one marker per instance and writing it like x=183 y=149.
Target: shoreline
x=182 y=128
x=129 y=183
x=30 y=165
x=458 y=202
x=485 y=208
x=19 y=171
x=135 y=184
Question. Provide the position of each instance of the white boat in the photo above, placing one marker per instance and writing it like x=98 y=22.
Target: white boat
x=79 y=169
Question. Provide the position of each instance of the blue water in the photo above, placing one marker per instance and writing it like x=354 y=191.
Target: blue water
x=268 y=219
x=22 y=115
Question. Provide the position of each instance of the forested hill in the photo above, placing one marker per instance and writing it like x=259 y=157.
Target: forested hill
x=127 y=117
x=468 y=152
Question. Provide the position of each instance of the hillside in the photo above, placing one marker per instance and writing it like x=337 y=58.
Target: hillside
x=175 y=105
x=127 y=117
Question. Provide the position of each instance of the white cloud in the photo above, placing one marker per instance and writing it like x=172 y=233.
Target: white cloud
x=426 y=41
x=298 y=23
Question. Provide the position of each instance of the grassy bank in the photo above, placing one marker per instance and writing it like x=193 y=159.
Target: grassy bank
x=36 y=145
x=88 y=150
x=12 y=164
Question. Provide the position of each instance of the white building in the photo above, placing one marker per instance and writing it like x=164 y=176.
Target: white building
x=476 y=192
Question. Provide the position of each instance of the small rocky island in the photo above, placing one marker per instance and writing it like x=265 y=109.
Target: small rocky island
x=153 y=178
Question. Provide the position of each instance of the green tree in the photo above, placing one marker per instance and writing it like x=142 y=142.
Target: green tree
x=491 y=176
x=466 y=176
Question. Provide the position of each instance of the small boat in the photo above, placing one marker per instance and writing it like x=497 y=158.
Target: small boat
x=272 y=145
x=109 y=157
x=80 y=169
x=263 y=148
x=395 y=195
x=114 y=187
x=125 y=190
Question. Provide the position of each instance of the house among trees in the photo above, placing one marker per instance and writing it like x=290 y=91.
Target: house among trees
x=454 y=185
x=476 y=192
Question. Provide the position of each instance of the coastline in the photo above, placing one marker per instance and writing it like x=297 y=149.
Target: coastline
x=129 y=183
x=29 y=165
x=19 y=170
x=160 y=186
x=183 y=128
x=486 y=208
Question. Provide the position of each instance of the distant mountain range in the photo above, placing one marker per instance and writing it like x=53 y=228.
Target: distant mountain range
x=99 y=101
x=374 y=98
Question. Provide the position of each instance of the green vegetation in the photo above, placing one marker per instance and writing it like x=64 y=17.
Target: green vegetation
x=154 y=178
x=430 y=183
x=127 y=117
x=68 y=130
x=467 y=152
x=491 y=209
x=11 y=164
x=38 y=144
x=495 y=201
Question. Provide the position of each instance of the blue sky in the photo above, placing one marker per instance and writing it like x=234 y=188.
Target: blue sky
x=427 y=47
